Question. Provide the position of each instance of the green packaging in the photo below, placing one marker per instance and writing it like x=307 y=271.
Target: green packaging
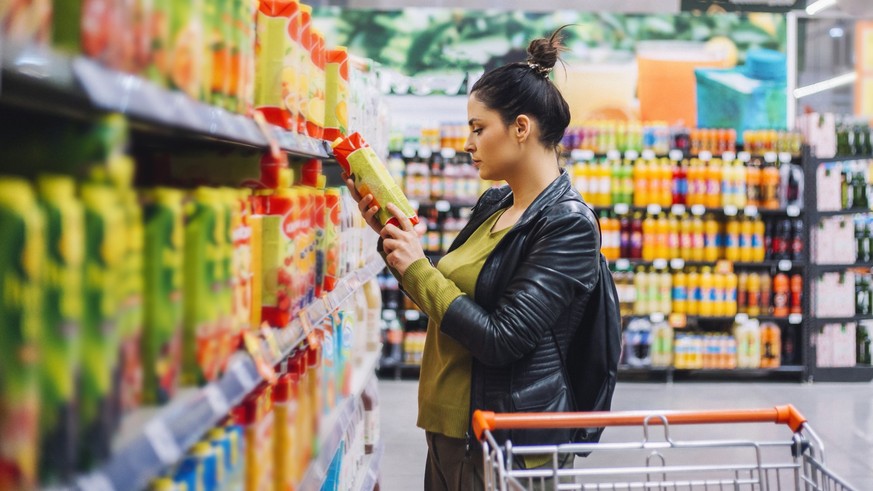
x=204 y=236
x=162 y=273
x=104 y=252
x=62 y=313
x=185 y=50
x=21 y=262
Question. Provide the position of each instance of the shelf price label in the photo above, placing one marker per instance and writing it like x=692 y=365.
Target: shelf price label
x=676 y=155
x=659 y=263
x=784 y=265
x=217 y=402
x=656 y=317
x=705 y=156
x=795 y=318
x=633 y=155
x=730 y=211
x=647 y=155
x=770 y=157
x=698 y=210
x=750 y=211
x=621 y=209
x=653 y=209
x=677 y=209
x=161 y=440
x=678 y=321
x=425 y=152
x=677 y=263
x=729 y=156
x=334 y=313
x=622 y=264
x=448 y=153
x=613 y=155
x=793 y=211
x=744 y=156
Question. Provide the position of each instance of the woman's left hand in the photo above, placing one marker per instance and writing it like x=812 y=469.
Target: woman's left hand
x=401 y=244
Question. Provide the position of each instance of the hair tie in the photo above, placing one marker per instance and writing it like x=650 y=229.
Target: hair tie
x=539 y=69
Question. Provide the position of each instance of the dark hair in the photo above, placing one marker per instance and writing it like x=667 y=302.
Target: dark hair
x=525 y=88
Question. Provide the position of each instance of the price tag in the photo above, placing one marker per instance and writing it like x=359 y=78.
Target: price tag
x=621 y=209
x=413 y=315
x=729 y=156
x=678 y=209
x=676 y=155
x=215 y=398
x=656 y=317
x=730 y=211
x=408 y=151
x=795 y=318
x=698 y=210
x=622 y=264
x=678 y=321
x=587 y=155
x=306 y=322
x=653 y=209
x=659 y=264
x=724 y=266
x=268 y=334
x=632 y=155
x=613 y=155
x=744 y=156
x=647 y=155
x=268 y=133
x=785 y=157
x=243 y=376
x=576 y=154
x=96 y=481
x=784 y=265
x=770 y=157
x=253 y=347
x=162 y=442
x=793 y=211
x=750 y=211
x=741 y=318
x=443 y=205
x=425 y=152
x=334 y=312
x=448 y=153
x=705 y=156
x=677 y=263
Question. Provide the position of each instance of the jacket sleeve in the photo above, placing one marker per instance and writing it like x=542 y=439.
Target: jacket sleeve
x=561 y=263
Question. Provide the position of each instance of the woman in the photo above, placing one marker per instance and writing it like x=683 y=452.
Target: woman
x=513 y=288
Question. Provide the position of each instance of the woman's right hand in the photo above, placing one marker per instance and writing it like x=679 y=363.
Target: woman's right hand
x=365 y=204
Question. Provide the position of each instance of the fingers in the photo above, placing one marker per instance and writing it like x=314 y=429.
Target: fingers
x=350 y=183
x=391 y=232
x=391 y=245
x=405 y=224
x=365 y=202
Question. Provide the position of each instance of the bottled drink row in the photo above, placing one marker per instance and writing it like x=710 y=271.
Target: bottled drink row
x=696 y=238
x=713 y=184
x=843 y=345
x=844 y=185
x=830 y=135
x=704 y=293
x=403 y=342
x=853 y=137
x=751 y=345
x=452 y=180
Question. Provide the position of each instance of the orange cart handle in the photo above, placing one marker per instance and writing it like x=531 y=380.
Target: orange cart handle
x=487 y=420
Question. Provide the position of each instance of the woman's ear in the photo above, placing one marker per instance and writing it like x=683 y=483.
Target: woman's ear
x=522 y=128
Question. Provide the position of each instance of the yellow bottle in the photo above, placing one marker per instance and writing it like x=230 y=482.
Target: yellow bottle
x=732 y=241
x=673 y=242
x=666 y=174
x=712 y=198
x=649 y=238
x=746 y=230
x=697 y=239
x=641 y=183
x=758 y=250
x=693 y=307
x=686 y=244
x=753 y=296
x=665 y=293
x=642 y=291
x=720 y=285
x=740 y=184
x=680 y=293
x=707 y=293
x=710 y=238
x=662 y=238
x=730 y=288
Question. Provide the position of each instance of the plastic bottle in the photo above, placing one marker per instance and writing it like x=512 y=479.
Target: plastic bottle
x=625 y=237
x=747 y=229
x=642 y=291
x=795 y=304
x=730 y=294
x=766 y=294
x=654 y=291
x=798 y=249
x=707 y=293
x=743 y=293
x=781 y=295
x=770 y=184
x=697 y=239
x=641 y=183
x=759 y=252
x=678 y=197
x=713 y=184
x=666 y=177
x=696 y=183
x=753 y=185
x=720 y=295
x=694 y=293
x=662 y=344
x=771 y=344
x=636 y=238
x=753 y=306
x=740 y=192
x=685 y=238
x=680 y=293
x=662 y=238
x=732 y=240
x=673 y=243
x=710 y=239
x=650 y=240
x=665 y=293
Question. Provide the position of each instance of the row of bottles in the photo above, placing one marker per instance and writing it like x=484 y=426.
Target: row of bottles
x=453 y=180
x=712 y=184
x=751 y=345
x=763 y=295
x=853 y=138
x=863 y=238
x=696 y=238
x=759 y=142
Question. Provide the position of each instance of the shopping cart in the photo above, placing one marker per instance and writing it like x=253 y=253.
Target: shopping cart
x=662 y=462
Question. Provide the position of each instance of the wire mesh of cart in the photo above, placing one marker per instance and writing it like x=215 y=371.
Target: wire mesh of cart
x=659 y=460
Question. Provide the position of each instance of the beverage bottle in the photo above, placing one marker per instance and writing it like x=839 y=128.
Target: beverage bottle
x=859 y=188
x=868 y=233
x=662 y=237
x=627 y=183
x=728 y=197
x=770 y=185
x=710 y=239
x=730 y=294
x=662 y=344
x=693 y=179
x=685 y=238
x=743 y=293
x=771 y=345
x=694 y=293
x=795 y=304
x=758 y=251
x=673 y=243
x=678 y=197
x=766 y=294
x=707 y=292
x=753 y=185
x=697 y=239
x=605 y=175
x=642 y=291
x=861 y=252
x=615 y=240
x=665 y=292
x=654 y=294
x=753 y=299
x=580 y=180
x=615 y=185
x=713 y=184
x=780 y=295
x=732 y=240
x=680 y=293
x=636 y=244
x=437 y=182
x=649 y=238
x=846 y=192
x=625 y=237
x=740 y=192
x=666 y=183
x=747 y=229
x=641 y=184
x=720 y=304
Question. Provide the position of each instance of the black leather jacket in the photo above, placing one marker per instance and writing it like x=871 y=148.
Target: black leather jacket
x=532 y=291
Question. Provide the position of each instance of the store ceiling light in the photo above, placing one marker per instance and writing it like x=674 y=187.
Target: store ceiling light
x=819 y=5
x=831 y=83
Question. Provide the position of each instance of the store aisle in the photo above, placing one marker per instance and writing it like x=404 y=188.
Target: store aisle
x=842 y=414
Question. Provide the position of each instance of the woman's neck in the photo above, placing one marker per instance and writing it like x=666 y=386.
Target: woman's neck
x=534 y=177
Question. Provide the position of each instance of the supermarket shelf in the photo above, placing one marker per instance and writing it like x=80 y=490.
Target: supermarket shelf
x=693 y=319
x=826 y=268
x=336 y=425
x=452 y=203
x=369 y=476
x=783 y=265
x=669 y=374
x=700 y=210
x=41 y=80
x=859 y=373
x=850 y=211
x=685 y=155
x=840 y=158
x=154 y=438
x=841 y=320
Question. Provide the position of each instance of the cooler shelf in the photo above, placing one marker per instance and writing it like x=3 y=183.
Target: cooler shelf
x=858 y=373
x=788 y=372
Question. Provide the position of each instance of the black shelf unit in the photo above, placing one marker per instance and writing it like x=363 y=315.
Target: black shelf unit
x=858 y=373
x=765 y=212
x=770 y=263
x=671 y=374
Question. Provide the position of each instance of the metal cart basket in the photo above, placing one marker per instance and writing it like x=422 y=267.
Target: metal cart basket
x=664 y=463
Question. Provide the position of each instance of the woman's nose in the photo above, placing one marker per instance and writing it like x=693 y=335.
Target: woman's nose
x=468 y=146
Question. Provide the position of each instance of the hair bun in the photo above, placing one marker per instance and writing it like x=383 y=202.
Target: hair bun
x=544 y=52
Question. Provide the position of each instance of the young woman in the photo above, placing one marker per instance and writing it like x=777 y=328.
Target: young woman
x=513 y=287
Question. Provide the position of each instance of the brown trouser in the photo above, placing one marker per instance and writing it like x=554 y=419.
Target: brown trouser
x=450 y=467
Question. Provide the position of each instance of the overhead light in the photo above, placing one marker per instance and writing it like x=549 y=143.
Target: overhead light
x=819 y=5
x=831 y=83
x=836 y=32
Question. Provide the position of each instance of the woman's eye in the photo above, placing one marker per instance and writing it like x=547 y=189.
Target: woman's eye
x=477 y=131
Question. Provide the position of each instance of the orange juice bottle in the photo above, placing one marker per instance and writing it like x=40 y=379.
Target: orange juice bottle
x=730 y=288
x=694 y=293
x=720 y=308
x=758 y=250
x=770 y=187
x=771 y=345
x=710 y=239
x=753 y=185
x=753 y=307
x=698 y=242
x=666 y=175
x=747 y=229
x=707 y=293
x=743 y=293
x=686 y=243
x=732 y=240
x=662 y=238
x=766 y=294
x=781 y=295
x=649 y=238
x=642 y=184
x=680 y=293
x=695 y=194
x=713 y=184
x=673 y=241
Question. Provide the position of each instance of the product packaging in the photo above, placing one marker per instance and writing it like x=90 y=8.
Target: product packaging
x=273 y=48
x=336 y=116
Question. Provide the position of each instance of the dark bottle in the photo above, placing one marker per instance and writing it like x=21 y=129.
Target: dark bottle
x=842 y=139
x=859 y=191
x=770 y=230
x=625 y=236
x=636 y=238
x=782 y=240
x=862 y=304
x=797 y=242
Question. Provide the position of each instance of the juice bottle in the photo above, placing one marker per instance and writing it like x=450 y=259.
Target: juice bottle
x=257 y=419
x=713 y=184
x=781 y=295
x=662 y=237
x=679 y=184
x=625 y=237
x=654 y=291
x=22 y=258
x=641 y=278
x=641 y=183
x=241 y=261
x=747 y=229
x=743 y=293
x=740 y=178
x=770 y=186
x=665 y=292
x=759 y=252
x=666 y=176
x=615 y=184
x=680 y=293
x=698 y=242
x=695 y=193
x=627 y=183
x=720 y=308
x=185 y=55
x=636 y=238
x=694 y=293
x=753 y=185
x=316 y=102
x=673 y=241
x=753 y=306
x=730 y=294
x=707 y=293
x=771 y=345
x=685 y=238
x=162 y=339
x=371 y=177
x=728 y=185
x=766 y=294
x=796 y=306
x=650 y=239
x=710 y=239
x=336 y=117
x=63 y=218
x=226 y=330
x=332 y=239
x=320 y=238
